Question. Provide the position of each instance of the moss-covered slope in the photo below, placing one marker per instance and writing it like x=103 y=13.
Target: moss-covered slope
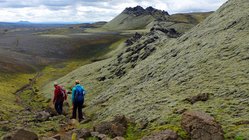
x=211 y=58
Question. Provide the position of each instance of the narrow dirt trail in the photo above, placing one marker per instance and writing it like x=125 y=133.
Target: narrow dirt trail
x=24 y=88
x=64 y=131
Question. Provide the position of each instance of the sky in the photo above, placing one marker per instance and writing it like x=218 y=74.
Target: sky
x=80 y=11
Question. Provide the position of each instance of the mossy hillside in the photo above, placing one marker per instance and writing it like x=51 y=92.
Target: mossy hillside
x=114 y=49
x=128 y=22
x=10 y=83
x=88 y=55
x=193 y=18
x=211 y=58
x=181 y=22
x=33 y=99
x=15 y=107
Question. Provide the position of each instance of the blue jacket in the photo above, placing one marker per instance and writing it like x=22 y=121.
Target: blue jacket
x=73 y=91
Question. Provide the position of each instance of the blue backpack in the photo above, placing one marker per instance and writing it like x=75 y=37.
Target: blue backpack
x=79 y=94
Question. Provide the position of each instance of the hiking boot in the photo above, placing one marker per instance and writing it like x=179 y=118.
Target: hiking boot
x=83 y=118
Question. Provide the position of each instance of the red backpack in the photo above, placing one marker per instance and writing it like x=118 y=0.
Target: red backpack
x=62 y=94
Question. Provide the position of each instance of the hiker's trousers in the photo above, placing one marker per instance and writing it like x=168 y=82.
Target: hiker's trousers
x=78 y=106
x=58 y=107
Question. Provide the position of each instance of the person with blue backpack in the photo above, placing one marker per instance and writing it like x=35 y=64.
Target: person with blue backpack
x=78 y=93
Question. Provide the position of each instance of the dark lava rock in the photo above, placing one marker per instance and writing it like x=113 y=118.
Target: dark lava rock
x=149 y=41
x=172 y=33
x=51 y=111
x=133 y=39
x=99 y=136
x=199 y=97
x=143 y=124
x=21 y=135
x=244 y=122
x=148 y=52
x=8 y=137
x=201 y=126
x=128 y=42
x=120 y=72
x=84 y=133
x=57 y=137
x=118 y=138
x=137 y=11
x=115 y=128
x=42 y=116
x=137 y=36
x=163 y=135
x=103 y=78
x=153 y=10
x=48 y=138
x=138 y=48
x=134 y=58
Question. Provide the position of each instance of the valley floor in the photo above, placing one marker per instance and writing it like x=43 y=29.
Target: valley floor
x=22 y=102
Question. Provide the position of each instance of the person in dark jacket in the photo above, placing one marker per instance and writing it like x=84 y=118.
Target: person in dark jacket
x=59 y=97
x=78 y=93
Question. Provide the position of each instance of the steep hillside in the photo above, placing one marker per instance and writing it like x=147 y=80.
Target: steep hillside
x=151 y=79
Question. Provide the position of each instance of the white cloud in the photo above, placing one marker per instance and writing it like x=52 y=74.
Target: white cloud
x=92 y=10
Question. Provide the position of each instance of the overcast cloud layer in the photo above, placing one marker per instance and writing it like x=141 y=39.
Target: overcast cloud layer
x=92 y=10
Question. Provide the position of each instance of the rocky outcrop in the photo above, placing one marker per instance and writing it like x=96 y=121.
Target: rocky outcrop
x=171 y=32
x=48 y=138
x=153 y=11
x=99 y=136
x=118 y=138
x=138 y=10
x=57 y=137
x=117 y=127
x=133 y=39
x=138 y=48
x=199 y=97
x=42 y=116
x=201 y=126
x=84 y=133
x=21 y=135
x=136 y=18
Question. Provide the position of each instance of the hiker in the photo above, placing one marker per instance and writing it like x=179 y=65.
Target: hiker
x=59 y=97
x=78 y=93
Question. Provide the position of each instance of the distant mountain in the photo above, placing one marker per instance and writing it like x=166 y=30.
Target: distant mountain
x=23 y=22
x=140 y=18
x=135 y=18
x=27 y=24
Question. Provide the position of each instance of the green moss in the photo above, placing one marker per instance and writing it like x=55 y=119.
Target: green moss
x=10 y=83
x=43 y=128
x=174 y=128
x=133 y=133
x=31 y=99
x=92 y=138
x=239 y=138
